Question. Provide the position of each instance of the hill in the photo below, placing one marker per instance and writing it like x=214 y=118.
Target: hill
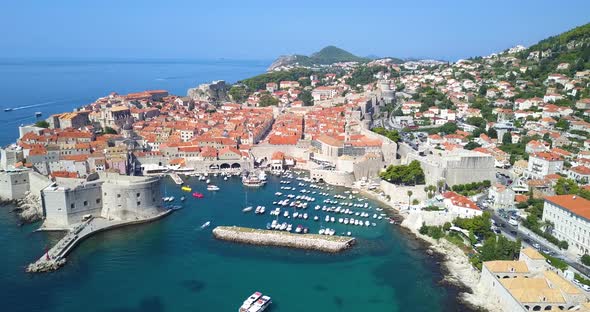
x=326 y=56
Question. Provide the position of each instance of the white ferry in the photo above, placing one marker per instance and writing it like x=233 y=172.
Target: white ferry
x=212 y=187
x=256 y=303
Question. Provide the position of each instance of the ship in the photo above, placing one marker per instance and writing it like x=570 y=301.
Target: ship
x=212 y=187
x=251 y=179
x=256 y=303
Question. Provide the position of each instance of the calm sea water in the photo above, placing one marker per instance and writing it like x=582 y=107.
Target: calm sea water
x=55 y=86
x=172 y=264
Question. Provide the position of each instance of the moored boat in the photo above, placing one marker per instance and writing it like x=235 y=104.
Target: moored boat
x=198 y=195
x=186 y=188
x=212 y=187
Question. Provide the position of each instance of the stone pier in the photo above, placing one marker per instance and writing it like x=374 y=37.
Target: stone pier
x=331 y=244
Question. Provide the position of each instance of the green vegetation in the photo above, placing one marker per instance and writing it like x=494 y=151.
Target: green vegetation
x=390 y=134
x=480 y=225
x=364 y=75
x=259 y=82
x=471 y=188
x=556 y=262
x=238 y=93
x=306 y=97
x=471 y=145
x=447 y=128
x=267 y=100
x=328 y=55
x=569 y=186
x=42 y=124
x=432 y=97
x=586 y=259
x=581 y=279
x=411 y=174
x=109 y=130
x=435 y=232
x=479 y=122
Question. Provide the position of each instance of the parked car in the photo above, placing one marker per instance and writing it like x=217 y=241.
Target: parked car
x=537 y=246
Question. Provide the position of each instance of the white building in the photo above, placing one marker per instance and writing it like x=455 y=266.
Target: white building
x=570 y=215
x=461 y=206
x=543 y=163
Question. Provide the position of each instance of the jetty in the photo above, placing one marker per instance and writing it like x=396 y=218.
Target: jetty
x=55 y=257
x=176 y=178
x=331 y=244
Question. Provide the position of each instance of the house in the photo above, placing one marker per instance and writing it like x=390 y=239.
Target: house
x=542 y=164
x=460 y=205
x=580 y=174
x=535 y=146
x=503 y=196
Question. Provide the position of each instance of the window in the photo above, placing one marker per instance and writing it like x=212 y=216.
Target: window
x=138 y=203
x=98 y=200
x=137 y=194
x=85 y=203
x=72 y=205
x=118 y=195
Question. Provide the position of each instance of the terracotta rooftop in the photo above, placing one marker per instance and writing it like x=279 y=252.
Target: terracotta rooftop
x=575 y=204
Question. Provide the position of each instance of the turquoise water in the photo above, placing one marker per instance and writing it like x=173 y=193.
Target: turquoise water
x=174 y=265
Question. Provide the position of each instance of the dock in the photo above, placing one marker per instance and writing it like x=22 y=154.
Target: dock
x=330 y=244
x=176 y=178
x=55 y=257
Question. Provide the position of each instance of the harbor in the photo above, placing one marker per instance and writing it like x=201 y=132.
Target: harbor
x=185 y=245
x=331 y=244
x=55 y=257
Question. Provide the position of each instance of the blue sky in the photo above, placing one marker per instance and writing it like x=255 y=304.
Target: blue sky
x=265 y=29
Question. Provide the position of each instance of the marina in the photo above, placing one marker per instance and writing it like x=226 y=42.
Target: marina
x=195 y=260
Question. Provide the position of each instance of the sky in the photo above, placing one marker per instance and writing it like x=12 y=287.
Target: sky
x=194 y=29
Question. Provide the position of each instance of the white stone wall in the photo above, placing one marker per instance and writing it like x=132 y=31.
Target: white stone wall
x=65 y=206
x=130 y=198
x=14 y=185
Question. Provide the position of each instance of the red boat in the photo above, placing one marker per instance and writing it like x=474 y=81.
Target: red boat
x=198 y=195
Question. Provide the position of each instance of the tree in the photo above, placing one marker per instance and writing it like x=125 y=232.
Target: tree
x=448 y=128
x=440 y=184
x=566 y=186
x=109 y=130
x=411 y=174
x=479 y=122
x=42 y=124
x=471 y=145
x=585 y=259
x=238 y=94
x=390 y=134
x=410 y=193
x=562 y=124
x=492 y=133
x=507 y=138
x=306 y=97
x=267 y=100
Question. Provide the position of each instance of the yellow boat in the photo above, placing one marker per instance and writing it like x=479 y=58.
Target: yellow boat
x=186 y=188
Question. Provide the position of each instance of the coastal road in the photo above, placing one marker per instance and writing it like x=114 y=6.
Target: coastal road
x=530 y=239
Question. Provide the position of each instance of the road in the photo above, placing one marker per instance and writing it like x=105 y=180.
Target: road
x=529 y=239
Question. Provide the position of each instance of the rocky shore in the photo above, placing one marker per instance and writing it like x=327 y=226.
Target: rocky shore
x=29 y=208
x=330 y=244
x=456 y=267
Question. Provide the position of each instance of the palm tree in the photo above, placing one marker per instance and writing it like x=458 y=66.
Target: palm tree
x=410 y=193
x=440 y=184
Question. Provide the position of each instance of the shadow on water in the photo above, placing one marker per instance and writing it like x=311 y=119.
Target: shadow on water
x=147 y=304
x=193 y=285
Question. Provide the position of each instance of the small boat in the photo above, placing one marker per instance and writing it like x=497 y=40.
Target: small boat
x=208 y=181
x=212 y=187
x=247 y=209
x=38 y=114
x=182 y=198
x=9 y=109
x=198 y=195
x=206 y=224
x=186 y=188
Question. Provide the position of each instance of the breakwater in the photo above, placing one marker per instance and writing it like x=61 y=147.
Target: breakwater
x=331 y=244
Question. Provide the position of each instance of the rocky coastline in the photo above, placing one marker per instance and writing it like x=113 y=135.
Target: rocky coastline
x=330 y=244
x=28 y=208
x=454 y=263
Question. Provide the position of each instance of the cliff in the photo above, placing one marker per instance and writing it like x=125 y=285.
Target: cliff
x=214 y=93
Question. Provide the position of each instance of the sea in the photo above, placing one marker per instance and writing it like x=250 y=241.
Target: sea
x=174 y=264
